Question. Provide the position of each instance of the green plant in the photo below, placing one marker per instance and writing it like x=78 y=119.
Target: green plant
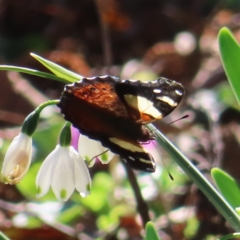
x=64 y=75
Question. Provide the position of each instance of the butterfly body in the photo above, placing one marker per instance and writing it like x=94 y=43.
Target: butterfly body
x=114 y=111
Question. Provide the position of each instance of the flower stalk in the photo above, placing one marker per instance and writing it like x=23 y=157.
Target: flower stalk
x=31 y=121
x=66 y=136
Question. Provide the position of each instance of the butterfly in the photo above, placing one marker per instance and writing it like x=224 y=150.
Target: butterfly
x=114 y=112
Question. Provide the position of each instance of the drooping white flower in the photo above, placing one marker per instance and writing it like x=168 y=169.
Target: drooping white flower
x=90 y=149
x=63 y=170
x=17 y=159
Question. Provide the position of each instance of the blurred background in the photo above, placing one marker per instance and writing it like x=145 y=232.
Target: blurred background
x=135 y=39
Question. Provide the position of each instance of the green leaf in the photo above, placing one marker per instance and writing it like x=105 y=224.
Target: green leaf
x=230 y=55
x=151 y=233
x=3 y=237
x=112 y=217
x=227 y=185
x=32 y=72
x=101 y=190
x=70 y=213
x=230 y=236
x=226 y=96
x=58 y=70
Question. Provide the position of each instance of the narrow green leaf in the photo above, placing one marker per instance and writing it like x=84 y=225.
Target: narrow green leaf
x=204 y=185
x=230 y=55
x=58 y=70
x=32 y=72
x=230 y=236
x=228 y=186
x=3 y=237
x=151 y=233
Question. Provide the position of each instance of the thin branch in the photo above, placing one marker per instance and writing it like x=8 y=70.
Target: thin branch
x=142 y=207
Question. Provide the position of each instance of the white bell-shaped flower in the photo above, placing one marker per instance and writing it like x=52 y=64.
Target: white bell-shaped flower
x=17 y=159
x=90 y=149
x=63 y=170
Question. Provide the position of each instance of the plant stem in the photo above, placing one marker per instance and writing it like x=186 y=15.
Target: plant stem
x=142 y=207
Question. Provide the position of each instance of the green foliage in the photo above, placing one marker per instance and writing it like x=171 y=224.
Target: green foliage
x=32 y=72
x=58 y=70
x=102 y=187
x=230 y=236
x=99 y=201
x=228 y=186
x=33 y=221
x=151 y=233
x=3 y=237
x=226 y=96
x=61 y=74
x=70 y=213
x=204 y=185
x=191 y=228
x=230 y=55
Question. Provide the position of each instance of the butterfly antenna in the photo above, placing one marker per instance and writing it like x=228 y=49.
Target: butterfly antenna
x=169 y=174
x=97 y=156
x=185 y=116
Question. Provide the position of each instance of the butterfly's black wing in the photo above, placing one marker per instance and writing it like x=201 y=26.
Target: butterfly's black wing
x=150 y=101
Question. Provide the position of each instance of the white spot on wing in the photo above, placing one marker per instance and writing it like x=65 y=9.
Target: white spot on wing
x=127 y=145
x=104 y=76
x=133 y=80
x=178 y=92
x=168 y=100
x=157 y=90
x=143 y=105
x=147 y=107
x=145 y=161
x=133 y=148
x=91 y=78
